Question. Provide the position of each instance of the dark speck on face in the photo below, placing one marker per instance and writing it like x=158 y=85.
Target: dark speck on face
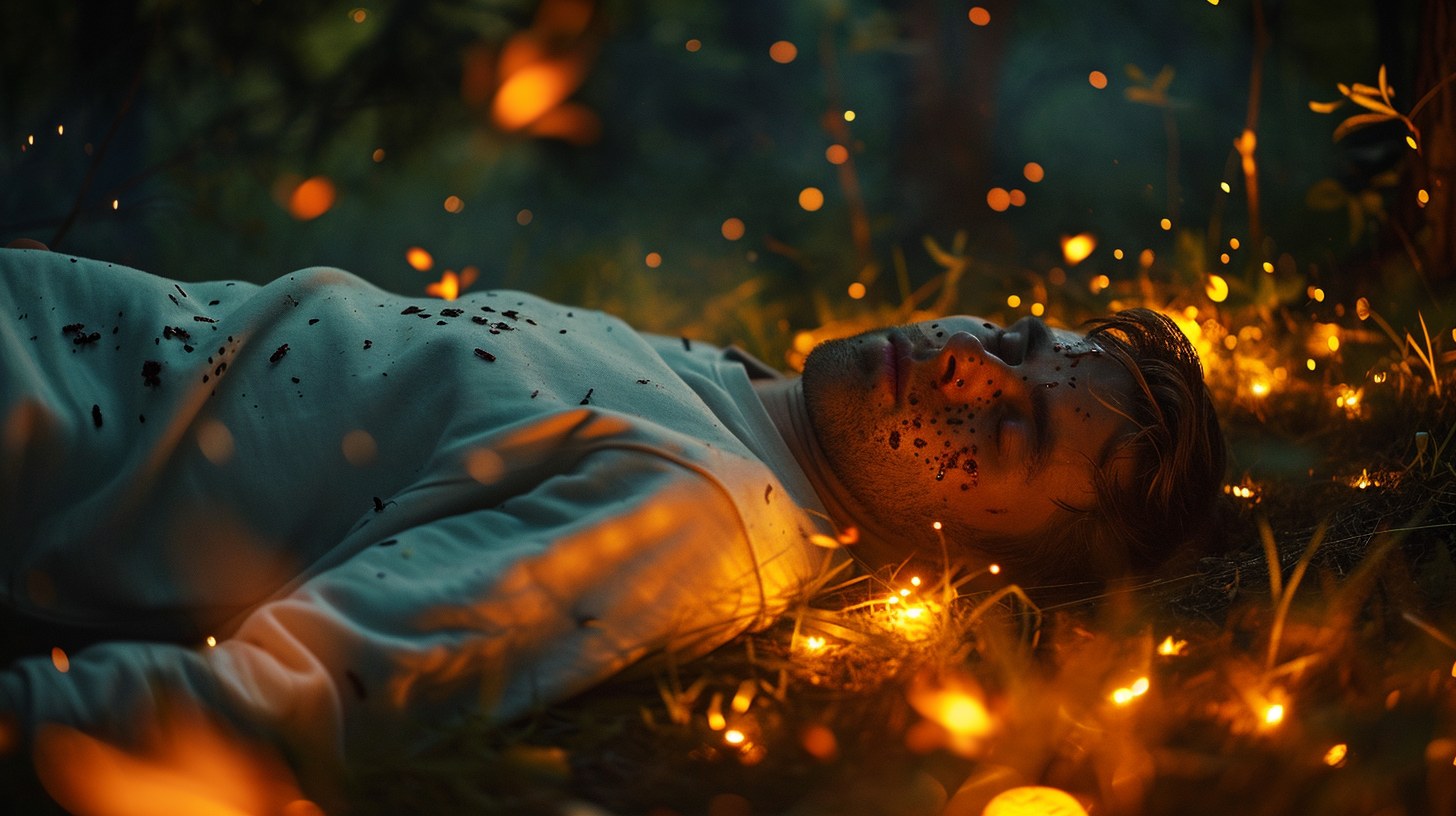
x=894 y=440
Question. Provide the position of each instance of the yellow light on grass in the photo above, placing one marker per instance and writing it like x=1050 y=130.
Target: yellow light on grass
x=1140 y=686
x=734 y=737
x=1122 y=696
x=1310 y=364
x=1217 y=289
x=783 y=52
x=1097 y=79
x=1170 y=647
x=1259 y=388
x=1099 y=283
x=1117 y=253
x=733 y=229
x=1335 y=757
x=1224 y=258
x=994 y=569
x=1076 y=248
x=1038 y=309
x=1269 y=267
x=1224 y=185
x=813 y=644
x=811 y=198
x=915 y=581
x=716 y=720
x=419 y=259
x=1233 y=243
x=115 y=203
x=1423 y=197
x=980 y=16
x=1166 y=224
x=1034 y=801
x=1333 y=342
x=1274 y=714
x=849 y=116
x=1013 y=301
x=1411 y=140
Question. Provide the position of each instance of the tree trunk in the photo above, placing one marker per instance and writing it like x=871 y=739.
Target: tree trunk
x=1432 y=228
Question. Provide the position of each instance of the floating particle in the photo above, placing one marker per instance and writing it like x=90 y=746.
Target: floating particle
x=485 y=355
x=278 y=355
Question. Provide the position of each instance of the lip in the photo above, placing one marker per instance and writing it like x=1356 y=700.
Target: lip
x=897 y=368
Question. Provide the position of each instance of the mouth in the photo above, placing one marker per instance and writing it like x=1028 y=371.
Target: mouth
x=897 y=366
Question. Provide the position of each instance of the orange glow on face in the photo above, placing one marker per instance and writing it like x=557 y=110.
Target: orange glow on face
x=1098 y=79
x=311 y=199
x=733 y=229
x=998 y=199
x=530 y=92
x=980 y=16
x=837 y=154
x=783 y=52
x=1076 y=248
x=1033 y=172
x=419 y=259
x=811 y=198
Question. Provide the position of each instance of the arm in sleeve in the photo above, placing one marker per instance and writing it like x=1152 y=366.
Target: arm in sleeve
x=496 y=610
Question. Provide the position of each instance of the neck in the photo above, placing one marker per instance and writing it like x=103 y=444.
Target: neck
x=784 y=401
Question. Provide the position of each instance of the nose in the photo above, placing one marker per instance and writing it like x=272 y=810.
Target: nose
x=967 y=371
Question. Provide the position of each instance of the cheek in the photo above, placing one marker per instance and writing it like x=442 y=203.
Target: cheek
x=935 y=446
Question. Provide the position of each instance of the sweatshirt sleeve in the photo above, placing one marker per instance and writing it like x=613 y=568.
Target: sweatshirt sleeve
x=494 y=610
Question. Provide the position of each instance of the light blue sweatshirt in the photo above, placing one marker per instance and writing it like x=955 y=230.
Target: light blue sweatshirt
x=389 y=512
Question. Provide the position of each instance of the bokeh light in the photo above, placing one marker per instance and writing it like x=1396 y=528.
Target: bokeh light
x=783 y=52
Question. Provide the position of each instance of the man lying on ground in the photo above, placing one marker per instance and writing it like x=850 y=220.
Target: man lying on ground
x=389 y=512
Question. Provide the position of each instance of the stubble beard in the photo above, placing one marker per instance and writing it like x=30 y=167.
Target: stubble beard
x=851 y=433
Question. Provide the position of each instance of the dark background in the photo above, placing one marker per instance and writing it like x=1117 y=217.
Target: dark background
x=211 y=111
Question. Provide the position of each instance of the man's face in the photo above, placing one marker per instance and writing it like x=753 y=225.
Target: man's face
x=961 y=420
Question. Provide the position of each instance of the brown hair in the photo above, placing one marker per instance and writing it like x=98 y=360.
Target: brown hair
x=1178 y=461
